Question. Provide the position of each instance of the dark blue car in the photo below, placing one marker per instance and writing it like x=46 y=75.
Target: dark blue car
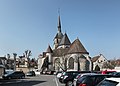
x=14 y=75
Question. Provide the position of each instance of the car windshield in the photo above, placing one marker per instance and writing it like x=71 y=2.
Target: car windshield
x=116 y=73
x=30 y=72
x=78 y=76
x=108 y=83
x=81 y=79
x=64 y=73
x=9 y=72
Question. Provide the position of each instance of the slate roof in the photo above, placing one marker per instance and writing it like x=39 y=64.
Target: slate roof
x=77 y=47
x=65 y=40
x=59 y=35
x=59 y=23
x=49 y=50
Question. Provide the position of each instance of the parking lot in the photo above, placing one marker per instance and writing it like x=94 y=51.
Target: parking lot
x=40 y=80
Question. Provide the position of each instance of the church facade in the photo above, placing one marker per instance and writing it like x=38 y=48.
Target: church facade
x=64 y=55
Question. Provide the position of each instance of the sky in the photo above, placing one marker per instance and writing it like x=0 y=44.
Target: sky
x=32 y=25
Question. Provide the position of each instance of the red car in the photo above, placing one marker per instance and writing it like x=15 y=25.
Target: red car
x=107 y=72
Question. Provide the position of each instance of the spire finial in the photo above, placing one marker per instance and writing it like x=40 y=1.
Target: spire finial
x=59 y=11
x=59 y=22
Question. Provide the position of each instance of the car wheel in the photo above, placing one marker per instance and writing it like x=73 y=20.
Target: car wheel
x=9 y=77
x=69 y=83
x=22 y=77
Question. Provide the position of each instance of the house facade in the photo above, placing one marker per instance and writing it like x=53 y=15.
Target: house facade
x=98 y=62
x=22 y=64
x=64 y=55
x=2 y=65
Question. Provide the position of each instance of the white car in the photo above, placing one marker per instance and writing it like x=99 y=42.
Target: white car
x=59 y=74
x=110 y=82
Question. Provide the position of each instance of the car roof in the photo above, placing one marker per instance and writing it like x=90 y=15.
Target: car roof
x=72 y=71
x=94 y=74
x=88 y=74
x=18 y=71
x=114 y=79
x=78 y=71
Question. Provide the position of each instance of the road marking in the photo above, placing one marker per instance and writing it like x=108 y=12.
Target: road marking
x=56 y=81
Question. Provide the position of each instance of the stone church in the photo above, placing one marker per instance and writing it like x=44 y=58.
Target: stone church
x=64 y=55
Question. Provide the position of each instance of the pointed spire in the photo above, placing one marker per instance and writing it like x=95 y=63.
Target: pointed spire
x=65 y=40
x=59 y=24
x=59 y=34
x=49 y=50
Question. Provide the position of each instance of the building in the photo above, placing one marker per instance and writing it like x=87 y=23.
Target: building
x=2 y=65
x=98 y=62
x=64 y=55
x=22 y=64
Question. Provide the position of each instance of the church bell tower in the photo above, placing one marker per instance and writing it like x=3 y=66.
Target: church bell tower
x=59 y=34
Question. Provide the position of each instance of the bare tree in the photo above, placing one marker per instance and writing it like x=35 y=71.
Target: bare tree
x=108 y=65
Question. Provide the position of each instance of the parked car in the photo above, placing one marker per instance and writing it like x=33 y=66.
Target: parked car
x=9 y=71
x=80 y=75
x=30 y=73
x=37 y=72
x=116 y=74
x=13 y=75
x=110 y=82
x=90 y=79
x=59 y=74
x=107 y=72
x=68 y=77
x=49 y=72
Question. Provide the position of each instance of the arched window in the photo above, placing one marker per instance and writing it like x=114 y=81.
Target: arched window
x=57 y=64
x=97 y=68
x=71 y=63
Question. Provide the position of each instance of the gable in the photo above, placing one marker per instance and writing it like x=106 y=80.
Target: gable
x=65 y=40
x=94 y=59
x=77 y=47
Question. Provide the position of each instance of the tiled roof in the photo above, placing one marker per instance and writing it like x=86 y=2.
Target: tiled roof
x=60 y=52
x=95 y=58
x=65 y=40
x=77 y=47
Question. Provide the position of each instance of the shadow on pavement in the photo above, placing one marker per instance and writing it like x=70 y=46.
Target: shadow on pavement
x=21 y=83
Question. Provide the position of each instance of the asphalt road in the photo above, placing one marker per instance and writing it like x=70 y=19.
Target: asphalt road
x=40 y=80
